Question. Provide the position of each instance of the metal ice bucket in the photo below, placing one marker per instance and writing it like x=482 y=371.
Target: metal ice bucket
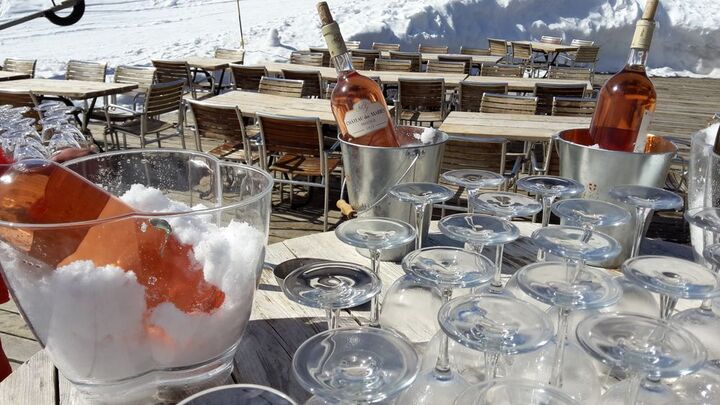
x=371 y=171
x=599 y=170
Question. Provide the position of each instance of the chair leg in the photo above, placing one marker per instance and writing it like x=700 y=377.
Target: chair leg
x=326 y=202
x=291 y=190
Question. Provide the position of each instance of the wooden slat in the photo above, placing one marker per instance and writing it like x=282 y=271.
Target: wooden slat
x=510 y=126
x=32 y=383
x=6 y=75
x=210 y=64
x=251 y=103
x=74 y=89
x=524 y=84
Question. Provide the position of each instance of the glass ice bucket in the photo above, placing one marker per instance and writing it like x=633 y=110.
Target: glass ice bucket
x=144 y=295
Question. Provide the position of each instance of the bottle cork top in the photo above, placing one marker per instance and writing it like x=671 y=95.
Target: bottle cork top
x=324 y=12
x=650 y=9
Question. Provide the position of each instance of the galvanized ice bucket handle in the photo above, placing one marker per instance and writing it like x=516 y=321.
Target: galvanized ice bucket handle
x=384 y=194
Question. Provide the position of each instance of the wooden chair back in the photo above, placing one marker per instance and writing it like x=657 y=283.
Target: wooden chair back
x=421 y=94
x=582 y=42
x=501 y=70
x=423 y=48
x=86 y=71
x=508 y=104
x=573 y=106
x=436 y=66
x=380 y=46
x=18 y=98
x=521 y=51
x=325 y=53
x=474 y=51
x=547 y=39
x=415 y=59
x=163 y=98
x=24 y=66
x=172 y=70
x=370 y=55
x=247 y=78
x=467 y=60
x=312 y=81
x=307 y=58
x=352 y=44
x=586 y=54
x=481 y=154
x=285 y=134
x=142 y=75
x=471 y=94
x=569 y=73
x=217 y=122
x=498 y=47
x=545 y=92
x=235 y=55
x=551 y=159
x=281 y=87
x=393 y=65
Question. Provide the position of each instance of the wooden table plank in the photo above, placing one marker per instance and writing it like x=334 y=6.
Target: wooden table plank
x=209 y=64
x=477 y=59
x=73 y=89
x=546 y=47
x=32 y=383
x=251 y=103
x=524 y=84
x=5 y=76
x=511 y=126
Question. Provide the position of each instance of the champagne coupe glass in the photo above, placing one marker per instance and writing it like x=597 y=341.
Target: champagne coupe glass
x=246 y=394
x=646 y=200
x=478 y=231
x=332 y=286
x=648 y=347
x=421 y=195
x=549 y=188
x=585 y=289
x=672 y=278
x=473 y=180
x=495 y=325
x=448 y=268
x=357 y=365
x=506 y=205
x=376 y=235
x=514 y=391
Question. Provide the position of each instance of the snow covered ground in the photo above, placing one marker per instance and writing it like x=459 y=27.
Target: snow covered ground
x=687 y=40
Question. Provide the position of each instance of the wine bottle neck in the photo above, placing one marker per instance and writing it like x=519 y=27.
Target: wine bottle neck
x=343 y=63
x=637 y=58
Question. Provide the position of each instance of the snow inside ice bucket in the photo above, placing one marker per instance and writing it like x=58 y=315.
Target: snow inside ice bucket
x=371 y=171
x=599 y=170
x=141 y=299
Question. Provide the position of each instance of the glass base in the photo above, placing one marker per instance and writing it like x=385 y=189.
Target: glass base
x=494 y=290
x=430 y=388
x=648 y=394
x=469 y=363
x=705 y=325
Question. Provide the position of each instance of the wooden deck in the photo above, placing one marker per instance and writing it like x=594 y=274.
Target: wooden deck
x=684 y=106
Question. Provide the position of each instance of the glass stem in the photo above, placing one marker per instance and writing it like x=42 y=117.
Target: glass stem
x=471 y=194
x=491 y=363
x=547 y=202
x=633 y=389
x=497 y=280
x=442 y=367
x=332 y=318
x=374 y=303
x=561 y=336
x=419 y=224
x=667 y=306
x=641 y=217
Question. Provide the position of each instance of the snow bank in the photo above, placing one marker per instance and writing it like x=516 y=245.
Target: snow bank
x=687 y=40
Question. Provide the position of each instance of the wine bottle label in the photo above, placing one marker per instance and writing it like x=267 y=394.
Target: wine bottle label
x=365 y=117
x=643 y=34
x=641 y=139
x=333 y=39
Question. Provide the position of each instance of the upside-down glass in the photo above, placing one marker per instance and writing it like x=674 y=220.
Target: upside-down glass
x=245 y=394
x=514 y=391
x=473 y=180
x=170 y=283
x=420 y=195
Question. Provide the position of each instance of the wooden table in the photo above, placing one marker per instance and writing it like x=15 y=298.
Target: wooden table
x=524 y=84
x=211 y=66
x=544 y=47
x=5 y=76
x=477 y=59
x=70 y=89
x=278 y=326
x=251 y=103
x=515 y=127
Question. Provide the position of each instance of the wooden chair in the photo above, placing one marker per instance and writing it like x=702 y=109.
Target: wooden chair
x=573 y=106
x=569 y=73
x=522 y=54
x=498 y=47
x=415 y=59
x=474 y=51
x=223 y=123
x=585 y=56
x=393 y=65
x=325 y=53
x=171 y=70
x=18 y=98
x=379 y=46
x=501 y=70
x=508 y=104
x=423 y=48
x=281 y=87
x=582 y=42
x=466 y=60
x=24 y=66
x=546 y=39
x=86 y=71
x=234 y=55
x=545 y=92
x=247 y=78
x=436 y=66
x=143 y=76
x=550 y=164
x=370 y=55
x=470 y=94
x=299 y=150
x=162 y=98
x=352 y=44
x=307 y=58
x=420 y=101
x=312 y=81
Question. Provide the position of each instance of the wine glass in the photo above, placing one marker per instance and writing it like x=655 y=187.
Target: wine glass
x=357 y=365
x=496 y=325
x=553 y=283
x=478 y=231
x=448 y=268
x=331 y=286
x=410 y=307
x=514 y=391
x=590 y=214
x=246 y=394
x=650 y=348
x=549 y=188
x=672 y=278
x=506 y=205
x=700 y=387
x=473 y=180
x=421 y=195
x=645 y=200
x=376 y=235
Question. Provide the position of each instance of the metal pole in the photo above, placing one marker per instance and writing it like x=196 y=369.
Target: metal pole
x=242 y=39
